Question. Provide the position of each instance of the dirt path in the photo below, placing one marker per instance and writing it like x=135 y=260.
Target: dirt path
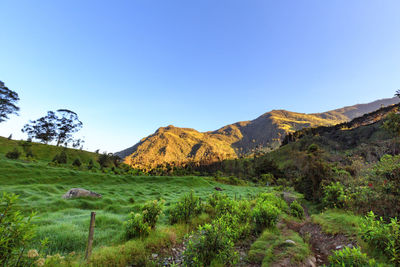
x=322 y=244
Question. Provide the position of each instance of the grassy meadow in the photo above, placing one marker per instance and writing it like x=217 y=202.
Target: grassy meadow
x=65 y=222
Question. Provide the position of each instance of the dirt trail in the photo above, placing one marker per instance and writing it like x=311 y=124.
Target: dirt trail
x=321 y=243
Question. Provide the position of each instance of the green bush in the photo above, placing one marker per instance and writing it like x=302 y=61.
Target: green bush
x=219 y=204
x=211 y=243
x=382 y=236
x=13 y=154
x=296 y=210
x=273 y=200
x=351 y=257
x=151 y=212
x=334 y=196
x=77 y=163
x=267 y=178
x=136 y=227
x=264 y=215
x=91 y=164
x=61 y=158
x=375 y=232
x=16 y=232
x=29 y=153
x=185 y=209
x=237 y=230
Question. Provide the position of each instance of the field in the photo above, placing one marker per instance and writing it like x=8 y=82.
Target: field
x=65 y=222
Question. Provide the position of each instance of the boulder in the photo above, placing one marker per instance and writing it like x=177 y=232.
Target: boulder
x=80 y=192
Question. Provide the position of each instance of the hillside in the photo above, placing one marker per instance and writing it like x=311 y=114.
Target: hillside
x=177 y=146
x=46 y=153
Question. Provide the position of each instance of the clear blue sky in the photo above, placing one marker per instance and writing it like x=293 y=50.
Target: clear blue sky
x=129 y=67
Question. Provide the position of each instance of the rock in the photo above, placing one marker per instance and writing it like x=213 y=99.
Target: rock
x=80 y=192
x=350 y=246
x=290 y=242
x=339 y=247
x=311 y=262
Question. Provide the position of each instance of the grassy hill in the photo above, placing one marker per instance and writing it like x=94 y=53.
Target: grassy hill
x=44 y=152
x=178 y=146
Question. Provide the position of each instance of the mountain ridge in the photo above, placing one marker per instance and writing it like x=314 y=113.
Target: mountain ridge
x=178 y=146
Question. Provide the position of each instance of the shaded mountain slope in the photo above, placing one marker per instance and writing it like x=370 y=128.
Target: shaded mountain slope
x=177 y=146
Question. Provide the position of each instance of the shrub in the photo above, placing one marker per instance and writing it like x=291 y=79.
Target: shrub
x=61 y=158
x=211 y=243
x=90 y=164
x=237 y=229
x=29 y=153
x=296 y=210
x=136 y=227
x=219 y=204
x=264 y=215
x=16 y=232
x=375 y=232
x=267 y=178
x=334 y=196
x=77 y=163
x=350 y=257
x=273 y=200
x=382 y=236
x=151 y=212
x=14 y=154
x=186 y=208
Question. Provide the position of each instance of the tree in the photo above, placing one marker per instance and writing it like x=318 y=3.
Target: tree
x=397 y=93
x=58 y=127
x=8 y=101
x=67 y=124
x=43 y=129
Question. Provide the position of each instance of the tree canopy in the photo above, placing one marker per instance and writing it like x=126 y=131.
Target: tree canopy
x=55 y=126
x=8 y=102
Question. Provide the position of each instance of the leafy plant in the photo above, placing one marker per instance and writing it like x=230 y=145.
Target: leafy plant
x=151 y=212
x=185 y=209
x=13 y=154
x=296 y=210
x=265 y=215
x=382 y=236
x=77 y=162
x=274 y=200
x=352 y=257
x=136 y=226
x=61 y=158
x=211 y=243
x=16 y=232
x=334 y=195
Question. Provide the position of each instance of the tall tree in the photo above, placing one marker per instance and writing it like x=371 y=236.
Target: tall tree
x=8 y=102
x=43 y=129
x=67 y=124
x=58 y=127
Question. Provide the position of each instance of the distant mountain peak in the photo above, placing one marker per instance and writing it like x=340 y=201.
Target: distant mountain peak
x=178 y=146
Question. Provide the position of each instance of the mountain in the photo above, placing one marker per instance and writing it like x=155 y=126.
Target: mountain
x=178 y=146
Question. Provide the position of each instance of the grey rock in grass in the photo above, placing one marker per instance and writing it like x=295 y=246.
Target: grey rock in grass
x=80 y=192
x=290 y=242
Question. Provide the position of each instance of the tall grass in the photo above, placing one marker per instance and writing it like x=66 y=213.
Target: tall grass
x=65 y=222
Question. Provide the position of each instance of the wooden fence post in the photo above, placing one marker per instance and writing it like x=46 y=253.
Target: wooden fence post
x=91 y=234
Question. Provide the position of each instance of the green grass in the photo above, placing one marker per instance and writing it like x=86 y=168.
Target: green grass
x=271 y=247
x=46 y=153
x=65 y=222
x=337 y=221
